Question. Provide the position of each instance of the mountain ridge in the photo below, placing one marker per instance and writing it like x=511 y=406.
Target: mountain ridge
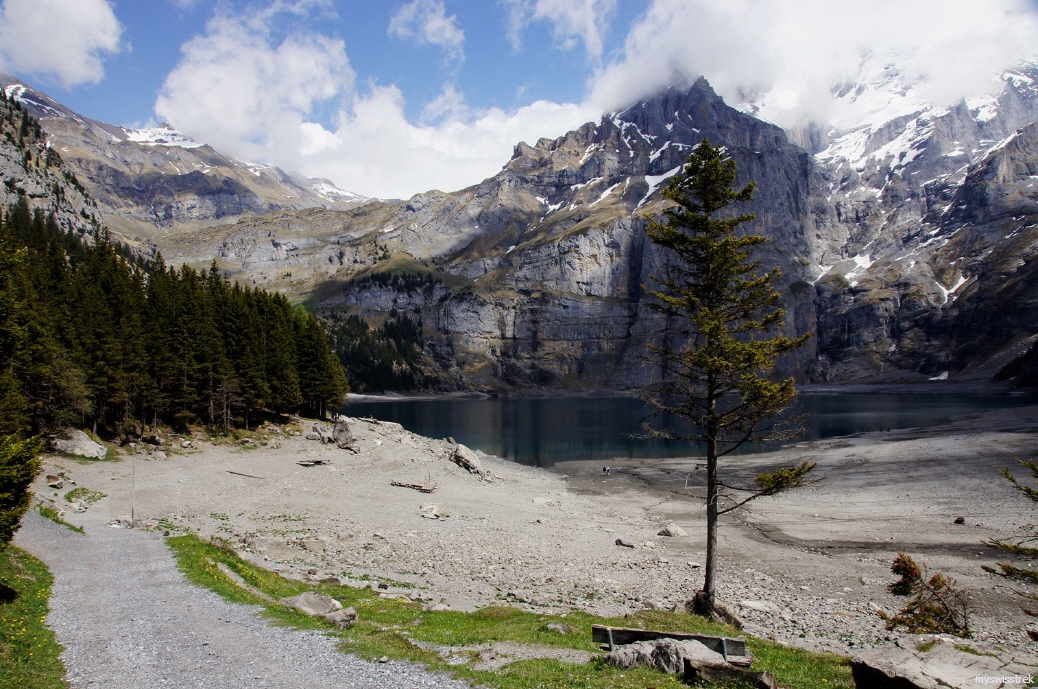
x=536 y=276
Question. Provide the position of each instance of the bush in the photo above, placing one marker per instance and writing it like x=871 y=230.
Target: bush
x=935 y=605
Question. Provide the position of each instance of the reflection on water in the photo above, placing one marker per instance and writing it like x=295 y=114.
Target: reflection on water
x=541 y=432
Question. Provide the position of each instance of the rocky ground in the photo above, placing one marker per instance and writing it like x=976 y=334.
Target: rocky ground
x=808 y=567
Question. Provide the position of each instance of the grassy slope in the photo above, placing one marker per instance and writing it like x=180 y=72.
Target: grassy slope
x=386 y=628
x=28 y=649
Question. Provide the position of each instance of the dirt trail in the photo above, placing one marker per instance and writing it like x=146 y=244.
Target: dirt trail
x=128 y=619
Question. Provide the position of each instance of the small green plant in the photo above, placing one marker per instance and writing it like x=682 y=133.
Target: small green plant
x=55 y=516
x=85 y=494
x=928 y=645
x=29 y=652
x=935 y=605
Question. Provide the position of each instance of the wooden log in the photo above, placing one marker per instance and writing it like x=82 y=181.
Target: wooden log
x=238 y=473
x=719 y=673
x=420 y=487
x=619 y=636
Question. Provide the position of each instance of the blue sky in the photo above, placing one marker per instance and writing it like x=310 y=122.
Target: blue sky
x=393 y=97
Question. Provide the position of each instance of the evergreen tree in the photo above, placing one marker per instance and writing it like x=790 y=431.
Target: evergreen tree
x=717 y=378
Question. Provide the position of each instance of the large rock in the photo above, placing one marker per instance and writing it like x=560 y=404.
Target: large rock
x=666 y=655
x=311 y=603
x=468 y=460
x=905 y=666
x=271 y=547
x=342 y=619
x=78 y=443
x=342 y=435
x=673 y=531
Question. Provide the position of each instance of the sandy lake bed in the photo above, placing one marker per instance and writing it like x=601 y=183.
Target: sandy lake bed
x=808 y=567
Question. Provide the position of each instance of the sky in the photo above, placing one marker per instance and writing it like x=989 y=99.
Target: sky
x=390 y=98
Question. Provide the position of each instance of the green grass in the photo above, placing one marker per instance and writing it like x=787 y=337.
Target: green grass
x=85 y=494
x=387 y=626
x=28 y=650
x=55 y=516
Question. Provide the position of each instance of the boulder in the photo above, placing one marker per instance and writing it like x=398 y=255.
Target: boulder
x=434 y=511
x=342 y=435
x=468 y=460
x=271 y=547
x=666 y=655
x=346 y=617
x=311 y=603
x=673 y=531
x=78 y=443
x=314 y=545
x=623 y=542
x=904 y=666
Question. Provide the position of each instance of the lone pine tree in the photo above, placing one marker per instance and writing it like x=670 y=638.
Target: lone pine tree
x=727 y=311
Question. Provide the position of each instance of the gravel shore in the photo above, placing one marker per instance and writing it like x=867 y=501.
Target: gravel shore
x=809 y=567
x=129 y=620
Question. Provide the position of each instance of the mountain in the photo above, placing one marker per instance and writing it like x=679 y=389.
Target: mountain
x=156 y=181
x=905 y=238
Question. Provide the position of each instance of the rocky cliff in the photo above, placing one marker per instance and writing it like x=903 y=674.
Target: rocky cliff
x=905 y=242
x=152 y=182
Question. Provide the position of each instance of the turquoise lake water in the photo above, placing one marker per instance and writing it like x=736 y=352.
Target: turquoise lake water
x=546 y=431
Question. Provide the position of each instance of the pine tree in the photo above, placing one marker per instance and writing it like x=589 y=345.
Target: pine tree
x=716 y=379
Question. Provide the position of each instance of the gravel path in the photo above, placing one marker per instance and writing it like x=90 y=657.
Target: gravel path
x=128 y=619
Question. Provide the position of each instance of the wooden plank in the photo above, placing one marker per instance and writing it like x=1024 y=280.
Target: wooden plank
x=420 y=487
x=627 y=635
x=238 y=473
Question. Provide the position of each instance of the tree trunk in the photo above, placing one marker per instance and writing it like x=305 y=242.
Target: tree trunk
x=710 y=573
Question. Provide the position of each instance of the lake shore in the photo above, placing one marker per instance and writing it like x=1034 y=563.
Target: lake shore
x=808 y=567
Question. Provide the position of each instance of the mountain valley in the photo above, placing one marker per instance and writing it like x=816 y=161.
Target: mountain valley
x=906 y=243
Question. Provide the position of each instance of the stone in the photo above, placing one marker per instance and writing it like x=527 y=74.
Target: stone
x=311 y=603
x=672 y=531
x=960 y=520
x=346 y=617
x=468 y=460
x=904 y=666
x=73 y=441
x=314 y=545
x=332 y=580
x=342 y=435
x=434 y=511
x=312 y=435
x=625 y=543
x=558 y=627
x=271 y=547
x=666 y=655
x=759 y=605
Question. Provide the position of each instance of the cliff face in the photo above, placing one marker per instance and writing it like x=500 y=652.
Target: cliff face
x=905 y=244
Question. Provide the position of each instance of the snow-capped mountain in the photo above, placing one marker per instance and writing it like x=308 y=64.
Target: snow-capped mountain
x=157 y=178
x=905 y=239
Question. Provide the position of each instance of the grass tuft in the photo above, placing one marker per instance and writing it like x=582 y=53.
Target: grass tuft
x=28 y=649
x=55 y=516
x=404 y=630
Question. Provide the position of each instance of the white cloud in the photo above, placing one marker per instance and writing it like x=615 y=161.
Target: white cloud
x=257 y=99
x=239 y=90
x=377 y=152
x=572 y=21
x=426 y=22
x=63 y=39
x=790 y=54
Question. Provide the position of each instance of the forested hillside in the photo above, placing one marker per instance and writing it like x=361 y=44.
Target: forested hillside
x=91 y=336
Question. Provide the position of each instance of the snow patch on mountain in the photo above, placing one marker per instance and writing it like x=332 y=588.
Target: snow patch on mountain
x=163 y=135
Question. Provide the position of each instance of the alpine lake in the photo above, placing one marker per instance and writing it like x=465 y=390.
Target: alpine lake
x=543 y=432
